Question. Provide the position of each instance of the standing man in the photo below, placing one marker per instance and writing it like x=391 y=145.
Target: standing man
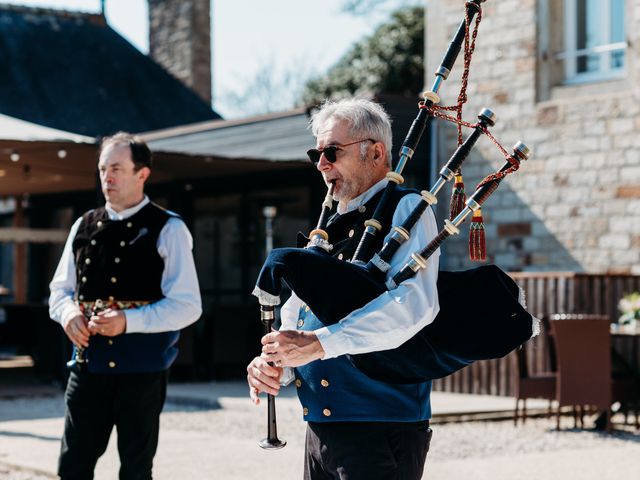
x=358 y=428
x=125 y=286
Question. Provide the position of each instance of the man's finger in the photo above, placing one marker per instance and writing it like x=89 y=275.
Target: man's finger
x=263 y=387
x=79 y=341
x=270 y=347
x=253 y=393
x=269 y=338
x=265 y=380
x=81 y=327
x=273 y=359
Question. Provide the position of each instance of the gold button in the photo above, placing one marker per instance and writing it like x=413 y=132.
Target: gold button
x=300 y=323
x=362 y=209
x=117 y=259
x=111 y=299
x=305 y=411
x=93 y=242
x=351 y=232
x=84 y=279
x=114 y=279
x=99 y=224
x=326 y=412
x=112 y=364
x=307 y=308
x=123 y=243
x=324 y=383
x=87 y=261
x=110 y=342
x=340 y=256
x=298 y=382
x=129 y=224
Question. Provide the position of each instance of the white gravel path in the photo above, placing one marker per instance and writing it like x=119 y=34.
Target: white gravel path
x=221 y=444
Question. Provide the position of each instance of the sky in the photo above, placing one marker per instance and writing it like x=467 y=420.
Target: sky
x=290 y=40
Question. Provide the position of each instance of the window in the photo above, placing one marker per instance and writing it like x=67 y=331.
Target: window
x=594 y=40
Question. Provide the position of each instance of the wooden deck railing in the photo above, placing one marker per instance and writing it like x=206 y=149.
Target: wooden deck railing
x=546 y=293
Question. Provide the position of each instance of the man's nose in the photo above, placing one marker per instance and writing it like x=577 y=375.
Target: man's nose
x=323 y=164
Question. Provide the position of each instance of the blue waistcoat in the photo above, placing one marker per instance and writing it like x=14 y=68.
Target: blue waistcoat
x=118 y=260
x=334 y=390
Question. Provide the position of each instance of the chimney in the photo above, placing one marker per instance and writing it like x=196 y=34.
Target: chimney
x=180 y=41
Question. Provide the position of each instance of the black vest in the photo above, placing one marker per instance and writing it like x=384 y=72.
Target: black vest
x=346 y=230
x=118 y=260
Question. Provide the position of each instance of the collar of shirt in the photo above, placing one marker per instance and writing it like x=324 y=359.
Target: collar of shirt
x=363 y=197
x=113 y=215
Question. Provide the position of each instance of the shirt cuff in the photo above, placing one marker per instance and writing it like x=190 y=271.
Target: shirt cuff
x=68 y=313
x=287 y=376
x=331 y=340
x=134 y=320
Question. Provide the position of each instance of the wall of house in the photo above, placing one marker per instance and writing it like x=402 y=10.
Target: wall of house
x=575 y=205
x=180 y=41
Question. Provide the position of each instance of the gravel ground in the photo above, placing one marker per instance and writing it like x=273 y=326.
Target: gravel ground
x=456 y=446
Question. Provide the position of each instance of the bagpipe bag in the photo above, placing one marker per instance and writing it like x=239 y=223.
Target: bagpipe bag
x=481 y=316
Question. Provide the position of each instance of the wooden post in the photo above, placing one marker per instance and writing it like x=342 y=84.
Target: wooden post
x=19 y=257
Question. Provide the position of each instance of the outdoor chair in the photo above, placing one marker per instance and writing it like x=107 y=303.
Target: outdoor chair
x=583 y=351
x=539 y=384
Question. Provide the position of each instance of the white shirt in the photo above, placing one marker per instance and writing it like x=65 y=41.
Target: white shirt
x=181 y=305
x=395 y=316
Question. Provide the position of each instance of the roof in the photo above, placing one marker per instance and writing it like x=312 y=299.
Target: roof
x=15 y=129
x=43 y=167
x=71 y=71
x=277 y=137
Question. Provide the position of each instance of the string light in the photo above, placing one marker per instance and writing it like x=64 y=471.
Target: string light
x=15 y=156
x=62 y=153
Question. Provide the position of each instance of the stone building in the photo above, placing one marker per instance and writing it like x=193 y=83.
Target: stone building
x=180 y=41
x=563 y=77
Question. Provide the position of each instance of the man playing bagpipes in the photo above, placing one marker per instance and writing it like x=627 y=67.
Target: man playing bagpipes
x=357 y=427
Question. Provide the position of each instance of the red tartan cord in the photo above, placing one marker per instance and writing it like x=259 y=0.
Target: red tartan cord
x=469 y=48
x=436 y=110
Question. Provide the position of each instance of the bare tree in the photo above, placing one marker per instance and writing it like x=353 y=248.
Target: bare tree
x=365 y=7
x=271 y=88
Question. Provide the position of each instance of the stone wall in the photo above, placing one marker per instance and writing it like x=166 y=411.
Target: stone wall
x=575 y=205
x=180 y=41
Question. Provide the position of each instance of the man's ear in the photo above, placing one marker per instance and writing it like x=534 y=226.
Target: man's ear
x=378 y=153
x=144 y=173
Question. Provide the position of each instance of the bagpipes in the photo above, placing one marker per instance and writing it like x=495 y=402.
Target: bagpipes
x=463 y=331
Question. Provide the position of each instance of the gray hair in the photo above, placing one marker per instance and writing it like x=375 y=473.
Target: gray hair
x=366 y=119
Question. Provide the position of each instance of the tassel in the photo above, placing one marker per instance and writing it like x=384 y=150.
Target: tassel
x=457 y=197
x=477 y=243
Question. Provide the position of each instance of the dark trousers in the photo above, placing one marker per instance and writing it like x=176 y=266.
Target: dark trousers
x=94 y=404
x=366 y=450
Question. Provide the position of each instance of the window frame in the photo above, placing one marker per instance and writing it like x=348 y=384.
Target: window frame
x=571 y=53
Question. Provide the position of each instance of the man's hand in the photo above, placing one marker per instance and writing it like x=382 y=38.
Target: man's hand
x=108 y=323
x=262 y=377
x=290 y=348
x=77 y=331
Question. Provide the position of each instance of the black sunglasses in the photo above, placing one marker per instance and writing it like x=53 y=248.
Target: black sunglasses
x=330 y=151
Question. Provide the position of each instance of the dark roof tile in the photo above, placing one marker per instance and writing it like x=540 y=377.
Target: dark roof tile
x=71 y=71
